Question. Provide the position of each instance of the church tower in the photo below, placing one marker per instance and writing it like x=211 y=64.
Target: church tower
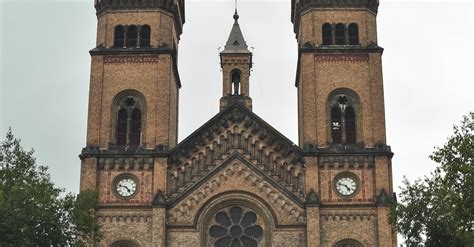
x=236 y=180
x=133 y=116
x=236 y=64
x=342 y=122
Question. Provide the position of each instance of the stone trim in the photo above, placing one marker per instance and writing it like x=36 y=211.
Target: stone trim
x=300 y=6
x=351 y=161
x=176 y=9
x=143 y=218
x=347 y=216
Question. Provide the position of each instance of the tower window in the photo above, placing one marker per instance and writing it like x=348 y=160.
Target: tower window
x=236 y=81
x=145 y=36
x=327 y=34
x=336 y=125
x=119 y=36
x=132 y=36
x=135 y=127
x=350 y=125
x=340 y=34
x=129 y=120
x=122 y=127
x=353 y=34
x=343 y=118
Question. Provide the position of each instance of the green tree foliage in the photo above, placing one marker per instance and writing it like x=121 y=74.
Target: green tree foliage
x=32 y=210
x=438 y=210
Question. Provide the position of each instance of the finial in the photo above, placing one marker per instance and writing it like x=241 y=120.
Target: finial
x=236 y=15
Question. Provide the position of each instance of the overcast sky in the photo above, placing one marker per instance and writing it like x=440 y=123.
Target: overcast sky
x=45 y=67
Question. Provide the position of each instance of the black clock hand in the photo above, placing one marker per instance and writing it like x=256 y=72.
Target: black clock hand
x=349 y=189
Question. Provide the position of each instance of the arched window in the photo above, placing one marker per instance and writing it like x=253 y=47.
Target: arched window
x=350 y=125
x=327 y=34
x=145 y=36
x=353 y=34
x=348 y=243
x=122 y=127
x=124 y=243
x=336 y=125
x=129 y=119
x=343 y=110
x=132 y=36
x=340 y=34
x=235 y=76
x=135 y=127
x=119 y=36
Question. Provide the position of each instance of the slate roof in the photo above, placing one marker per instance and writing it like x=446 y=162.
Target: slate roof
x=236 y=42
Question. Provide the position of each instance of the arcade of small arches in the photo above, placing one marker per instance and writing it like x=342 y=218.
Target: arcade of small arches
x=132 y=36
x=340 y=34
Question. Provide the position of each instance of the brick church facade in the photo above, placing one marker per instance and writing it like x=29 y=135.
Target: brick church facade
x=237 y=181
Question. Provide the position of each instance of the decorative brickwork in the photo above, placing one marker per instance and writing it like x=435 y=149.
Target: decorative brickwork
x=364 y=58
x=236 y=181
x=130 y=59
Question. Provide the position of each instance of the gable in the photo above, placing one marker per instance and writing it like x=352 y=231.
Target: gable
x=285 y=208
x=236 y=129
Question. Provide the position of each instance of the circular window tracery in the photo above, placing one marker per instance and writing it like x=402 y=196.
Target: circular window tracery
x=235 y=227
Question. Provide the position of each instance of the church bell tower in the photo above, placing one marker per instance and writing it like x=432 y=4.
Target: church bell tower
x=236 y=64
x=342 y=122
x=133 y=117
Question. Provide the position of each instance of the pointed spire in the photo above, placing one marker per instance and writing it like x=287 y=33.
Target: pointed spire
x=236 y=42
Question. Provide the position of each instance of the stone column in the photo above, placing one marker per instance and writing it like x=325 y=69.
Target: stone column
x=313 y=231
x=159 y=221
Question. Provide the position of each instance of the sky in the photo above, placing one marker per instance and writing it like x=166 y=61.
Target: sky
x=45 y=69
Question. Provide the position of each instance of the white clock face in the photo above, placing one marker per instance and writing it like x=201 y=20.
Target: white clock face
x=346 y=186
x=126 y=187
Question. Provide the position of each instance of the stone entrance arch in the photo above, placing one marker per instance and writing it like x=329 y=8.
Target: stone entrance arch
x=236 y=219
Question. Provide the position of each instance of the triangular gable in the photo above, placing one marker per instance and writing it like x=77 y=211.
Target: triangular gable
x=237 y=169
x=236 y=129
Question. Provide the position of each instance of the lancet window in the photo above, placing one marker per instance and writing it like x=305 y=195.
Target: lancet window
x=343 y=110
x=129 y=120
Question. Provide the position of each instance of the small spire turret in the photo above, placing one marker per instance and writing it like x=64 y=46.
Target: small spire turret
x=236 y=62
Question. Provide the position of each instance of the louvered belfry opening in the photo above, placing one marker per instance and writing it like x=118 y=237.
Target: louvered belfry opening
x=129 y=125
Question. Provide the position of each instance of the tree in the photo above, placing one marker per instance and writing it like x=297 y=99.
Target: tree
x=438 y=210
x=32 y=210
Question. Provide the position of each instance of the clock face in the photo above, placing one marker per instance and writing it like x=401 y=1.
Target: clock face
x=346 y=185
x=126 y=187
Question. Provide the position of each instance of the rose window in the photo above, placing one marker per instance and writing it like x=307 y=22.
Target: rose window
x=235 y=228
